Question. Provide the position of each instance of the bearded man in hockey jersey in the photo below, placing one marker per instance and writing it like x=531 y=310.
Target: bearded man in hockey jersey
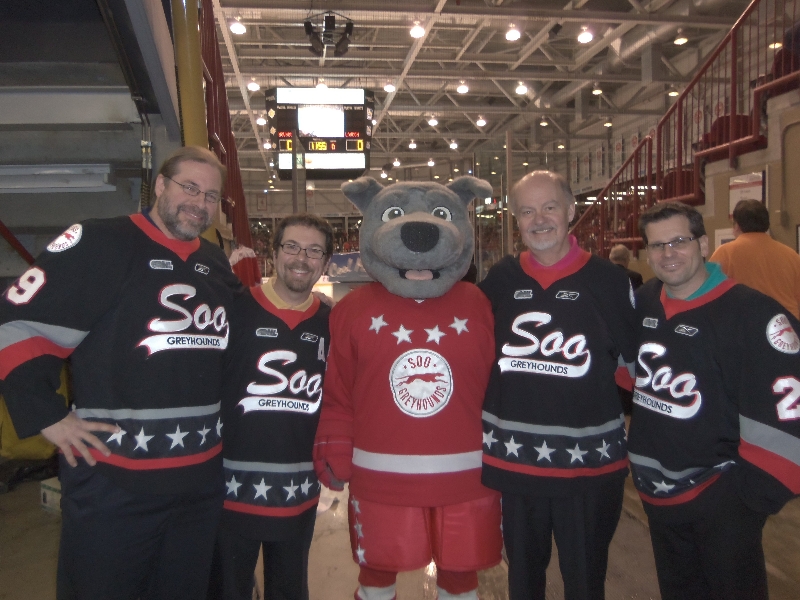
x=140 y=306
x=409 y=361
x=554 y=433
x=270 y=409
x=715 y=429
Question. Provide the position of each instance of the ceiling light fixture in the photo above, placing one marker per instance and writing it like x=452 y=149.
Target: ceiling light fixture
x=267 y=146
x=597 y=90
x=321 y=85
x=513 y=34
x=253 y=86
x=608 y=123
x=417 y=31
x=672 y=92
x=585 y=36
x=412 y=145
x=680 y=39
x=343 y=45
x=236 y=26
x=561 y=146
x=775 y=46
x=480 y=122
x=544 y=122
x=462 y=88
x=317 y=48
x=383 y=175
x=525 y=164
x=453 y=145
x=433 y=122
x=455 y=169
x=261 y=121
x=521 y=89
x=430 y=162
x=389 y=87
x=396 y=162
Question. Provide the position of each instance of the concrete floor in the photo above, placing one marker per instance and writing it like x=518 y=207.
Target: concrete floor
x=29 y=545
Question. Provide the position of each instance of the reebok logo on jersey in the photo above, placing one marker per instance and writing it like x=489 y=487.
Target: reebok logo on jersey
x=782 y=336
x=686 y=330
x=161 y=265
x=269 y=332
x=309 y=337
x=650 y=322
x=202 y=269
x=564 y=295
x=67 y=239
x=673 y=395
x=523 y=294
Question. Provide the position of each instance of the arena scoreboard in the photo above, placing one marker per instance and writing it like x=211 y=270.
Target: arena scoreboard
x=332 y=127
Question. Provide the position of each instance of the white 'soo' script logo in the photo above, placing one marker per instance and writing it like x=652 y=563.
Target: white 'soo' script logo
x=553 y=344
x=684 y=400
x=176 y=334
x=268 y=396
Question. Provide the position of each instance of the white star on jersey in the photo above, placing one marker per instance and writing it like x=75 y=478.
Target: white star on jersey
x=219 y=427
x=116 y=437
x=512 y=447
x=177 y=437
x=261 y=489
x=142 y=439
x=488 y=439
x=360 y=553
x=544 y=452
x=662 y=487
x=403 y=334
x=290 y=490
x=233 y=486
x=603 y=450
x=305 y=486
x=577 y=454
x=460 y=325
x=377 y=323
x=434 y=335
x=203 y=432
x=358 y=527
x=356 y=507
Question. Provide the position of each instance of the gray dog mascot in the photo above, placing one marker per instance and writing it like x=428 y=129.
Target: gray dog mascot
x=408 y=366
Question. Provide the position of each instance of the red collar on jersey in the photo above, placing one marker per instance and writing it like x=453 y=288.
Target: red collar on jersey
x=574 y=260
x=673 y=306
x=292 y=318
x=181 y=248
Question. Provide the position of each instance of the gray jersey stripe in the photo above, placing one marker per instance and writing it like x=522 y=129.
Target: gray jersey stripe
x=148 y=414
x=19 y=331
x=769 y=438
x=415 y=463
x=576 y=432
x=644 y=461
x=240 y=465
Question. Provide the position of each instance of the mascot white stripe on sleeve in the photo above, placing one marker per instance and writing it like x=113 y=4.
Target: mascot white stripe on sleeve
x=401 y=413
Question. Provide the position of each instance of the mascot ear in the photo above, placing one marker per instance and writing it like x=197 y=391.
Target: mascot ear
x=468 y=188
x=361 y=192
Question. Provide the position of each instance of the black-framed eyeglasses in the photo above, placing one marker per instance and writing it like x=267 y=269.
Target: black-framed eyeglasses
x=194 y=191
x=294 y=250
x=680 y=243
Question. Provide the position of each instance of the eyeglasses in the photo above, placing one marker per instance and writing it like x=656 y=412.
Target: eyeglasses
x=677 y=244
x=294 y=250
x=194 y=191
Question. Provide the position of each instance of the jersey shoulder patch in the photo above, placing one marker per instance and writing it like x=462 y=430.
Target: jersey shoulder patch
x=782 y=336
x=66 y=240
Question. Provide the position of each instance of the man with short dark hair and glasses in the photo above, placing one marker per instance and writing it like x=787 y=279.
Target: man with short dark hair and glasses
x=715 y=431
x=140 y=304
x=270 y=408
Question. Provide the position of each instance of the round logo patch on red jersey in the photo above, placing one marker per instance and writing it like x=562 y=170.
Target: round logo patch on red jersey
x=782 y=336
x=421 y=382
x=67 y=239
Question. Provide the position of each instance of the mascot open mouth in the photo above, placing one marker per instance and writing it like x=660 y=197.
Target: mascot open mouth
x=417 y=275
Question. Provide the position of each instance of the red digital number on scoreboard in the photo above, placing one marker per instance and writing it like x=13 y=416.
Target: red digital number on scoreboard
x=284 y=134
x=352 y=134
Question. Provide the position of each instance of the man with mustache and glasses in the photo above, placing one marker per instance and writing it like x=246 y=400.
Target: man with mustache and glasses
x=270 y=408
x=139 y=304
x=554 y=435
x=715 y=429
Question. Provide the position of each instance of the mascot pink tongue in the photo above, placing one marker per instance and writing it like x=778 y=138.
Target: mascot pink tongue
x=408 y=366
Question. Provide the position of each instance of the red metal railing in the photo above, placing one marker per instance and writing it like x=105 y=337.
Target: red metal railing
x=718 y=116
x=218 y=122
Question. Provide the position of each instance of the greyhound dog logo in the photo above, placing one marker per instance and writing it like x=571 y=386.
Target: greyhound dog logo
x=421 y=382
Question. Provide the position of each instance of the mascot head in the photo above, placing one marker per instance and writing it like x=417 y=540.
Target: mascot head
x=415 y=237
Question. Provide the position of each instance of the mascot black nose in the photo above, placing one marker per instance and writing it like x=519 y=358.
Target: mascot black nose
x=419 y=237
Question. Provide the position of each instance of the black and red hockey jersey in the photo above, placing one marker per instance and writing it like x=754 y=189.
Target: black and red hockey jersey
x=271 y=400
x=717 y=390
x=144 y=320
x=552 y=418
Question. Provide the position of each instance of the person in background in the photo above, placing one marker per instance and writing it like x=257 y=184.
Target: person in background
x=756 y=260
x=621 y=256
x=554 y=436
x=715 y=426
x=140 y=305
x=270 y=408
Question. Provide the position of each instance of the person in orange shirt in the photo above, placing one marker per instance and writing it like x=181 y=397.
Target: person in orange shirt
x=756 y=260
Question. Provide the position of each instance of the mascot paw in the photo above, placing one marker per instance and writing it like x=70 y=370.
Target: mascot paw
x=333 y=460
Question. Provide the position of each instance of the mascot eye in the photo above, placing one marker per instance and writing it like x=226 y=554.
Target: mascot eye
x=442 y=213
x=392 y=212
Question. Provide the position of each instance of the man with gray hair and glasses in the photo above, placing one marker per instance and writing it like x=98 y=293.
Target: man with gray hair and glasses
x=715 y=431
